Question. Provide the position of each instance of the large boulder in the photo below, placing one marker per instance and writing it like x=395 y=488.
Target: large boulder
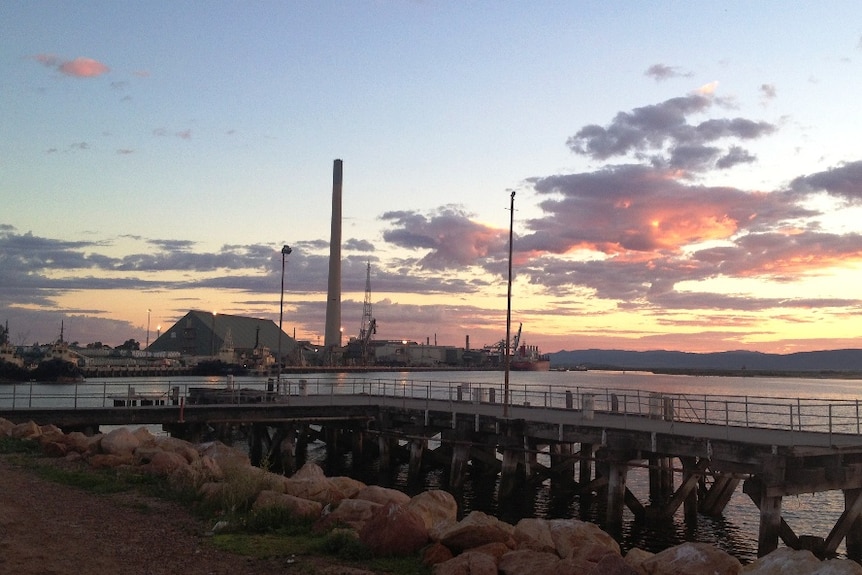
x=469 y=563
x=786 y=561
x=529 y=562
x=294 y=505
x=534 y=533
x=347 y=486
x=689 y=558
x=394 y=530
x=50 y=433
x=574 y=538
x=144 y=436
x=636 y=556
x=476 y=529
x=435 y=507
x=609 y=564
x=28 y=430
x=81 y=443
x=382 y=495
x=119 y=442
x=111 y=461
x=227 y=457
x=164 y=463
x=435 y=553
x=310 y=470
x=179 y=446
x=321 y=489
x=55 y=449
x=353 y=513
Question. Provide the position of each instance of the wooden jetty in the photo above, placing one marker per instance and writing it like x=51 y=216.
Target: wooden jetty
x=696 y=449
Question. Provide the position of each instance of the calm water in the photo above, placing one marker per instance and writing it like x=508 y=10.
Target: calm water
x=736 y=531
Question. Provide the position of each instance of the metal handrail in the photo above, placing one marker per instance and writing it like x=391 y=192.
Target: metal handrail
x=781 y=413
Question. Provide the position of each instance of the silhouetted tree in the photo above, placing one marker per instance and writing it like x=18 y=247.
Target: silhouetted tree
x=130 y=344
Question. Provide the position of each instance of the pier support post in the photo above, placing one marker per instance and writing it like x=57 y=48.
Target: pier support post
x=460 y=461
x=660 y=479
x=356 y=448
x=586 y=464
x=690 y=466
x=616 y=493
x=770 y=524
x=417 y=450
x=562 y=464
x=853 y=538
x=531 y=458
x=288 y=450
x=383 y=445
x=509 y=476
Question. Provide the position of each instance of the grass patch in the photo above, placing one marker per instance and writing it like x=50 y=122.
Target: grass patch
x=266 y=545
x=399 y=565
x=267 y=533
x=9 y=445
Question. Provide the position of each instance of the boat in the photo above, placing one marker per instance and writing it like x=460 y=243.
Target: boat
x=527 y=357
x=60 y=364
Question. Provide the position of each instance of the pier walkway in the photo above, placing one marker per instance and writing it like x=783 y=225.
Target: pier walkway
x=697 y=448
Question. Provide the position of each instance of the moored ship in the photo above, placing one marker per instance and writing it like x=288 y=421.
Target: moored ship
x=528 y=358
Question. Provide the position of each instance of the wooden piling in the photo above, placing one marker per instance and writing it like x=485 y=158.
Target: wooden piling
x=417 y=450
x=458 y=469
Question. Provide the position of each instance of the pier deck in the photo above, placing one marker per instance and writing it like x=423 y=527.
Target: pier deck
x=697 y=450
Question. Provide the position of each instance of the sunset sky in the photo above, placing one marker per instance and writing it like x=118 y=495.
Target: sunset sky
x=687 y=174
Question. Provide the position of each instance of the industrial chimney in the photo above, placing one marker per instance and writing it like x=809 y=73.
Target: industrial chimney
x=332 y=335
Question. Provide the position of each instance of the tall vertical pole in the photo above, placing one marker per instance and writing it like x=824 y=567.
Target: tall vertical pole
x=148 y=328
x=284 y=252
x=509 y=309
x=332 y=335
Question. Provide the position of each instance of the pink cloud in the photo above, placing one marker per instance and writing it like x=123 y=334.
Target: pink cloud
x=79 y=67
x=83 y=68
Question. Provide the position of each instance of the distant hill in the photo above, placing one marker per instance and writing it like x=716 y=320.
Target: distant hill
x=849 y=360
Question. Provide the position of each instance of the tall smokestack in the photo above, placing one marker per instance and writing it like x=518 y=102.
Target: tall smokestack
x=332 y=336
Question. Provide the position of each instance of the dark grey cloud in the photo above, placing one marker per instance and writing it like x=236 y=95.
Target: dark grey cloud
x=662 y=135
x=843 y=182
x=768 y=91
x=661 y=72
x=358 y=245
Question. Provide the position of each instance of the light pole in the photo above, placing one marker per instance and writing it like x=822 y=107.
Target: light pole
x=508 y=310
x=148 y=328
x=212 y=337
x=285 y=251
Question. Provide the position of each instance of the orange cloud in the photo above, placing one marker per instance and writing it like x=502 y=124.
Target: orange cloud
x=83 y=68
x=78 y=68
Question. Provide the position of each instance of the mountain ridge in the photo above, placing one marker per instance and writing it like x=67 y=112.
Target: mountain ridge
x=739 y=360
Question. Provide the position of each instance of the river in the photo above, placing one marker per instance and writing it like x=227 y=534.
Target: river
x=736 y=531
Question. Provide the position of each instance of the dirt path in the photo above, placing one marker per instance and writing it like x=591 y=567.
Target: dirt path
x=51 y=529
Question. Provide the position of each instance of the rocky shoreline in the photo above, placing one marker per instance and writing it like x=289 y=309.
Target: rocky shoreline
x=389 y=522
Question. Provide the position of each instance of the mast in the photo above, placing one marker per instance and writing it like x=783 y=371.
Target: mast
x=509 y=310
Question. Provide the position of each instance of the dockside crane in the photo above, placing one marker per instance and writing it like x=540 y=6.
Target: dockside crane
x=369 y=324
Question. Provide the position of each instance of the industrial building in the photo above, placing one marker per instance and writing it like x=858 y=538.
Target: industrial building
x=230 y=338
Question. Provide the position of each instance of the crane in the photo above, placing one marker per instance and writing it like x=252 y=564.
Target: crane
x=369 y=324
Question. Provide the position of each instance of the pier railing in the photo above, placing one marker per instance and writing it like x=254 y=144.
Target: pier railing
x=791 y=414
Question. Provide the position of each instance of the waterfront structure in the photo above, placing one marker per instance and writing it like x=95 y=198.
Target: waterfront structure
x=207 y=334
x=591 y=441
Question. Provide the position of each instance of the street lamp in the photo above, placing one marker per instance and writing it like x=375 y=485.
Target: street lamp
x=285 y=251
x=212 y=336
x=148 y=328
x=509 y=311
